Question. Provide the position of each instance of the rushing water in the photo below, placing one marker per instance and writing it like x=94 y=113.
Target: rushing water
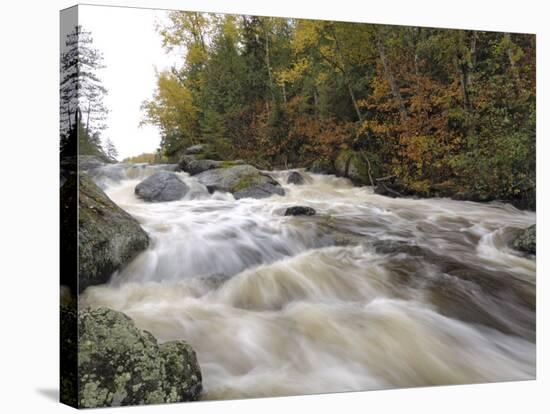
x=370 y=293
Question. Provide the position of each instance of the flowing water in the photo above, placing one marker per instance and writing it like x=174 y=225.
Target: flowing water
x=370 y=293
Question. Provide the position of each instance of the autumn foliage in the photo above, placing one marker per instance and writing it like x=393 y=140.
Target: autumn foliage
x=439 y=109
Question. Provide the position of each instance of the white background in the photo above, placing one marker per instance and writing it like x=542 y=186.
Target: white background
x=29 y=204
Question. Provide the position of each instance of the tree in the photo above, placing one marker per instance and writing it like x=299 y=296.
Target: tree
x=110 y=149
x=81 y=91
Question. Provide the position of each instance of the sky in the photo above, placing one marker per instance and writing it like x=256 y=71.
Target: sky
x=132 y=52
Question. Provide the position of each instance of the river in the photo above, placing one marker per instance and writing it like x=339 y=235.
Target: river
x=370 y=293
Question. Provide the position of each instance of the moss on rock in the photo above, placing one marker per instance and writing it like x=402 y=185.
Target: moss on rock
x=119 y=364
x=526 y=240
x=241 y=180
x=352 y=165
x=108 y=237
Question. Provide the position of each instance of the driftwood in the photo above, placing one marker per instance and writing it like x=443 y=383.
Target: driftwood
x=390 y=190
x=369 y=170
x=386 y=178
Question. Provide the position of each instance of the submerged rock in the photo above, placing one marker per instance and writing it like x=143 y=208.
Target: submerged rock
x=240 y=180
x=161 y=186
x=526 y=240
x=108 y=237
x=300 y=211
x=295 y=178
x=119 y=364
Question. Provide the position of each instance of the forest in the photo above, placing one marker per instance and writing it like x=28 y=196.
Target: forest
x=443 y=111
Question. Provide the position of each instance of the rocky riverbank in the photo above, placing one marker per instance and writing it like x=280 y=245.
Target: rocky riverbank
x=107 y=361
x=356 y=166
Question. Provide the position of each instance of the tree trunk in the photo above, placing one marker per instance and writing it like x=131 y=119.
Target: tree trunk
x=463 y=65
x=69 y=120
x=88 y=122
x=473 y=54
x=268 y=64
x=390 y=78
x=347 y=79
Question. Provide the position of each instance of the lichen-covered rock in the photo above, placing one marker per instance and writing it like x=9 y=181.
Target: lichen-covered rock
x=108 y=237
x=300 y=211
x=240 y=180
x=161 y=186
x=295 y=178
x=119 y=364
x=526 y=240
x=182 y=373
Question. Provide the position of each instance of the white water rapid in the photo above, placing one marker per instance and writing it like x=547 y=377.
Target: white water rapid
x=370 y=293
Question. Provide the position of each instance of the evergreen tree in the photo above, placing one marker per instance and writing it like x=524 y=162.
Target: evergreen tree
x=81 y=92
x=110 y=150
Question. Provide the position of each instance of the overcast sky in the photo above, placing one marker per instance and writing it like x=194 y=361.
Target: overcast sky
x=132 y=52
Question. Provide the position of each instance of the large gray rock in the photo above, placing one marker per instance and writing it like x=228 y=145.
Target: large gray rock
x=526 y=240
x=119 y=364
x=242 y=181
x=161 y=186
x=108 y=237
x=193 y=166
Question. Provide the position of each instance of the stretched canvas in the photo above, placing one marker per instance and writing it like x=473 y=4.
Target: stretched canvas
x=258 y=206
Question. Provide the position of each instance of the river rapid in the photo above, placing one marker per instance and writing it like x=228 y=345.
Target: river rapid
x=370 y=293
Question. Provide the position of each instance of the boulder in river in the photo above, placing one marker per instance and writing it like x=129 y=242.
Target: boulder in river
x=300 y=211
x=295 y=178
x=119 y=364
x=242 y=181
x=526 y=240
x=161 y=186
x=108 y=237
x=194 y=166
